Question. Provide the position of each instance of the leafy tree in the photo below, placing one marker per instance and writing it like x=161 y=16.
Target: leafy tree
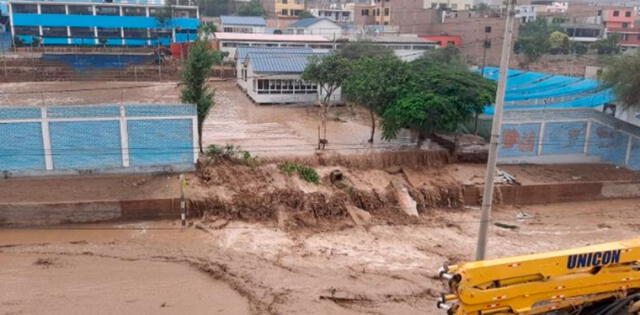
x=559 y=43
x=608 y=46
x=449 y=56
x=253 y=8
x=579 y=48
x=194 y=78
x=359 y=49
x=374 y=83
x=306 y=15
x=328 y=73
x=207 y=28
x=622 y=75
x=533 y=39
x=437 y=98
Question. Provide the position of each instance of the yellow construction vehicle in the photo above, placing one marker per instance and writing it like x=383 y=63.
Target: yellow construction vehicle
x=600 y=280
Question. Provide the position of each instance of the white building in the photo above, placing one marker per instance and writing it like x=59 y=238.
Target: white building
x=242 y=53
x=276 y=79
x=526 y=13
x=243 y=24
x=456 y=5
x=334 y=13
x=315 y=26
x=230 y=41
x=405 y=47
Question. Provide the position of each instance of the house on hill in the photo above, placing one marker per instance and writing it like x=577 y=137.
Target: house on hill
x=315 y=26
x=243 y=24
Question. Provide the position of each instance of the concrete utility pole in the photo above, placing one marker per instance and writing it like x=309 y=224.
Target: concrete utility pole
x=487 y=198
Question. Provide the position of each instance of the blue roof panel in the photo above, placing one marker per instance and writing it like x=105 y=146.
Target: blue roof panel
x=306 y=22
x=243 y=52
x=243 y=20
x=280 y=63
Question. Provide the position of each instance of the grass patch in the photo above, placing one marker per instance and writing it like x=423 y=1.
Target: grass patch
x=306 y=173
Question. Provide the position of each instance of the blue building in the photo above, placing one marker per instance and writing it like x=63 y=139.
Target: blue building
x=102 y=22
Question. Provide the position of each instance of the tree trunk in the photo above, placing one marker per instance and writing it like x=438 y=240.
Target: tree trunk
x=373 y=125
x=200 y=139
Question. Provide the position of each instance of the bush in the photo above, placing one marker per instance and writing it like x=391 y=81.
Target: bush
x=231 y=153
x=304 y=172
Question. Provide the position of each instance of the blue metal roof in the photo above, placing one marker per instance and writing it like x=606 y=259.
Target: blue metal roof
x=243 y=20
x=307 y=22
x=242 y=52
x=280 y=63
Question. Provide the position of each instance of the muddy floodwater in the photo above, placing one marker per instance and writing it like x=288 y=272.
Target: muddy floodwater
x=258 y=268
x=63 y=284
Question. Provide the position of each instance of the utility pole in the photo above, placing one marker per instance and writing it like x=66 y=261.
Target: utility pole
x=487 y=198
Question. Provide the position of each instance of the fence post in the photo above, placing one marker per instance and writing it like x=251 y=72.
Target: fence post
x=135 y=73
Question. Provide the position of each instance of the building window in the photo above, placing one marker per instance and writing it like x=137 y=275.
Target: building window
x=80 y=10
x=365 y=12
x=627 y=13
x=284 y=1
x=185 y=13
x=85 y=32
x=285 y=12
x=109 y=32
x=26 y=30
x=616 y=13
x=60 y=31
x=625 y=25
x=100 y=10
x=24 y=8
x=52 y=9
x=386 y=11
x=134 y=11
x=140 y=33
x=161 y=33
x=280 y=86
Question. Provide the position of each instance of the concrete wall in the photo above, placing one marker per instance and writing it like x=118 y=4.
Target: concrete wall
x=50 y=140
x=556 y=136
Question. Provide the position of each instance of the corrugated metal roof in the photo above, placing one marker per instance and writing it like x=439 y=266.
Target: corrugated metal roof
x=271 y=37
x=243 y=20
x=280 y=63
x=242 y=52
x=308 y=22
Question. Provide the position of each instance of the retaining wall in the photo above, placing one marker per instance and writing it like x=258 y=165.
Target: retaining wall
x=104 y=138
x=574 y=135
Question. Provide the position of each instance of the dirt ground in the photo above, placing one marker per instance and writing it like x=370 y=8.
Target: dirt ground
x=383 y=269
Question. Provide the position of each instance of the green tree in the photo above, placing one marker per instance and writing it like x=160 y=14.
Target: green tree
x=533 y=39
x=194 y=79
x=609 y=45
x=207 y=28
x=579 y=48
x=359 y=49
x=444 y=97
x=253 y=8
x=306 y=15
x=622 y=74
x=449 y=56
x=374 y=83
x=559 y=43
x=328 y=73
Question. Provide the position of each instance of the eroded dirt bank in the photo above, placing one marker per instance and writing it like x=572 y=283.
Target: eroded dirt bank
x=380 y=269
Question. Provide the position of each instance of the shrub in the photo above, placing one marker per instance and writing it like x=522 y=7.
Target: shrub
x=231 y=153
x=304 y=172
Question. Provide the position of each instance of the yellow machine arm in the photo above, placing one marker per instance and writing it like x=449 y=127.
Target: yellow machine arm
x=540 y=283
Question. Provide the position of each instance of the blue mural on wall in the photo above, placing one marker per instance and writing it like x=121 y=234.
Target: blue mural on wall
x=21 y=146
x=564 y=137
x=519 y=139
x=607 y=143
x=86 y=144
x=153 y=142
